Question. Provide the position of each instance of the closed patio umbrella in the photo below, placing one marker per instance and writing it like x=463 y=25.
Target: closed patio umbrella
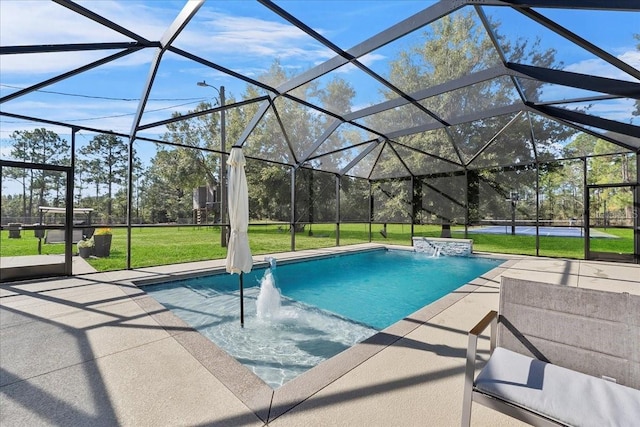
x=238 y=253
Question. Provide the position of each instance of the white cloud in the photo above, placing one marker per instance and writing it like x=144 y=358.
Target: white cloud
x=46 y=63
x=234 y=41
x=370 y=58
x=5 y=151
x=24 y=23
x=27 y=22
x=248 y=37
x=367 y=60
x=632 y=58
x=111 y=115
x=615 y=109
x=598 y=67
x=594 y=67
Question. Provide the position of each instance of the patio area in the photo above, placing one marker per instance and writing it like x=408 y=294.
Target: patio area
x=95 y=350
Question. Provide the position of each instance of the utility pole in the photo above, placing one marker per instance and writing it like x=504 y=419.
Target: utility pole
x=223 y=161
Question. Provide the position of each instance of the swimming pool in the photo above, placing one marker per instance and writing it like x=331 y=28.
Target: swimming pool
x=327 y=305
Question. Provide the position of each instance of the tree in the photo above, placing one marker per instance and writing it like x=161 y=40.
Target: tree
x=606 y=163
x=167 y=197
x=582 y=145
x=11 y=207
x=37 y=146
x=354 y=199
x=288 y=140
x=452 y=47
x=79 y=186
x=195 y=157
x=613 y=169
x=107 y=163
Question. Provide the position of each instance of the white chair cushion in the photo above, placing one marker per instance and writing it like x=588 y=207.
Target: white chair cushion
x=558 y=393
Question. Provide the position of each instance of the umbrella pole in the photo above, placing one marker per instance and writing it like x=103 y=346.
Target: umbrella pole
x=241 y=299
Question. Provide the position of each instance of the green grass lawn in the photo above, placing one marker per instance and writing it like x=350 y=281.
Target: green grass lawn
x=160 y=246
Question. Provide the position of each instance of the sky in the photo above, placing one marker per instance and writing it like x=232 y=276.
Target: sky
x=245 y=36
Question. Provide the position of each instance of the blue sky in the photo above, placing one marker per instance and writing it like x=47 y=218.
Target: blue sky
x=245 y=37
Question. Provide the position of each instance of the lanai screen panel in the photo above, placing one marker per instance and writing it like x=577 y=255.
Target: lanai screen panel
x=101 y=174
x=23 y=190
x=315 y=197
x=354 y=200
x=505 y=194
x=392 y=201
x=429 y=96
x=443 y=154
x=195 y=200
x=269 y=186
x=443 y=199
x=561 y=205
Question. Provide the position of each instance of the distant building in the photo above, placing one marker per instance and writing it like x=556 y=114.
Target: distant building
x=206 y=207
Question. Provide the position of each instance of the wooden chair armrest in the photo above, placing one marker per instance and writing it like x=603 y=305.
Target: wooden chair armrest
x=491 y=319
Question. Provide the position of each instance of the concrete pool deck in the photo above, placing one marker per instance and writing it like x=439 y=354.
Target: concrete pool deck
x=95 y=350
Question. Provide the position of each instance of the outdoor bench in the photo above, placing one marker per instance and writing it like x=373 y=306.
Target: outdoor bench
x=57 y=236
x=559 y=355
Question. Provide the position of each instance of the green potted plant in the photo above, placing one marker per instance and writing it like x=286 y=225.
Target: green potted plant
x=85 y=247
x=102 y=238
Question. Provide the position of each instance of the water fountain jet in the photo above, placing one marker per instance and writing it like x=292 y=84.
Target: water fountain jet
x=269 y=299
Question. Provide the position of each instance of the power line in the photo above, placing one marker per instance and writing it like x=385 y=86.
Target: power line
x=130 y=114
x=101 y=97
x=115 y=115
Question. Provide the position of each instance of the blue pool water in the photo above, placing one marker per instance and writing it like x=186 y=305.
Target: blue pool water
x=377 y=288
x=327 y=305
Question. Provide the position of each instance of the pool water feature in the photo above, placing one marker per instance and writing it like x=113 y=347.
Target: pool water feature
x=277 y=346
x=269 y=299
x=310 y=311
